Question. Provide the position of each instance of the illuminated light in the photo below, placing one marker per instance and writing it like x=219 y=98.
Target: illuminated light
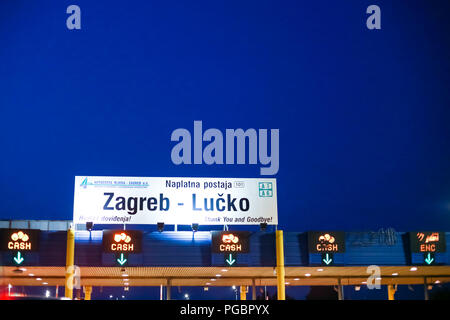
x=208 y=283
x=413 y=269
x=47 y=293
x=31 y=274
x=23 y=269
x=395 y=274
x=230 y=247
x=378 y=278
x=122 y=247
x=326 y=237
x=320 y=270
x=364 y=282
x=110 y=296
x=327 y=243
x=230 y=238
x=233 y=287
x=218 y=275
x=307 y=274
x=23 y=244
x=296 y=279
x=213 y=279
x=437 y=281
x=230 y=242
x=224 y=270
x=38 y=279
x=119 y=246
x=44 y=282
x=126 y=284
x=186 y=296
x=286 y=283
x=124 y=275
x=126 y=280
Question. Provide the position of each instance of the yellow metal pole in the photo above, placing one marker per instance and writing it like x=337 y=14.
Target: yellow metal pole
x=280 y=265
x=70 y=260
x=87 y=292
x=243 y=293
x=391 y=292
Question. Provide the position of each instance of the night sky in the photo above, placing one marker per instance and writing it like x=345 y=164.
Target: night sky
x=363 y=114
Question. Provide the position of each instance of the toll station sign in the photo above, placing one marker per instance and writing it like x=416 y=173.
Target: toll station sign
x=326 y=242
x=180 y=201
x=230 y=242
x=426 y=241
x=122 y=241
x=19 y=240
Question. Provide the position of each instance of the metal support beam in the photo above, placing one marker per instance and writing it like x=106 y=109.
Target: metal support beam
x=340 y=290
x=243 y=292
x=87 y=292
x=253 y=290
x=425 y=288
x=70 y=259
x=169 y=286
x=281 y=293
x=391 y=291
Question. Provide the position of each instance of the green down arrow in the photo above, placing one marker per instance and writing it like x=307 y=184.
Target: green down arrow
x=18 y=259
x=230 y=260
x=327 y=259
x=122 y=260
x=429 y=259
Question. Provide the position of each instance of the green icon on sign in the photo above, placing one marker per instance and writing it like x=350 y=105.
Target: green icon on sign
x=230 y=260
x=327 y=259
x=121 y=260
x=265 y=189
x=18 y=258
x=429 y=258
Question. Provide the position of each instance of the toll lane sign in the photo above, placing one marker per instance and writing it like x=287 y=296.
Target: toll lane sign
x=429 y=243
x=326 y=241
x=121 y=241
x=230 y=241
x=19 y=241
x=426 y=241
x=229 y=244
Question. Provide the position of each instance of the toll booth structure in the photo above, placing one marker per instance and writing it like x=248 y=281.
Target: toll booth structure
x=186 y=258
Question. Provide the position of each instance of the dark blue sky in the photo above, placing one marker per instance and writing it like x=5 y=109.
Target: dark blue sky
x=363 y=115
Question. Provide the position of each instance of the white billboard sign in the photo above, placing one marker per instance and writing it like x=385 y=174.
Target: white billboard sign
x=183 y=201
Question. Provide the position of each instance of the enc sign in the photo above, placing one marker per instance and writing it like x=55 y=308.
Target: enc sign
x=122 y=241
x=425 y=241
x=326 y=242
x=230 y=241
x=19 y=240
